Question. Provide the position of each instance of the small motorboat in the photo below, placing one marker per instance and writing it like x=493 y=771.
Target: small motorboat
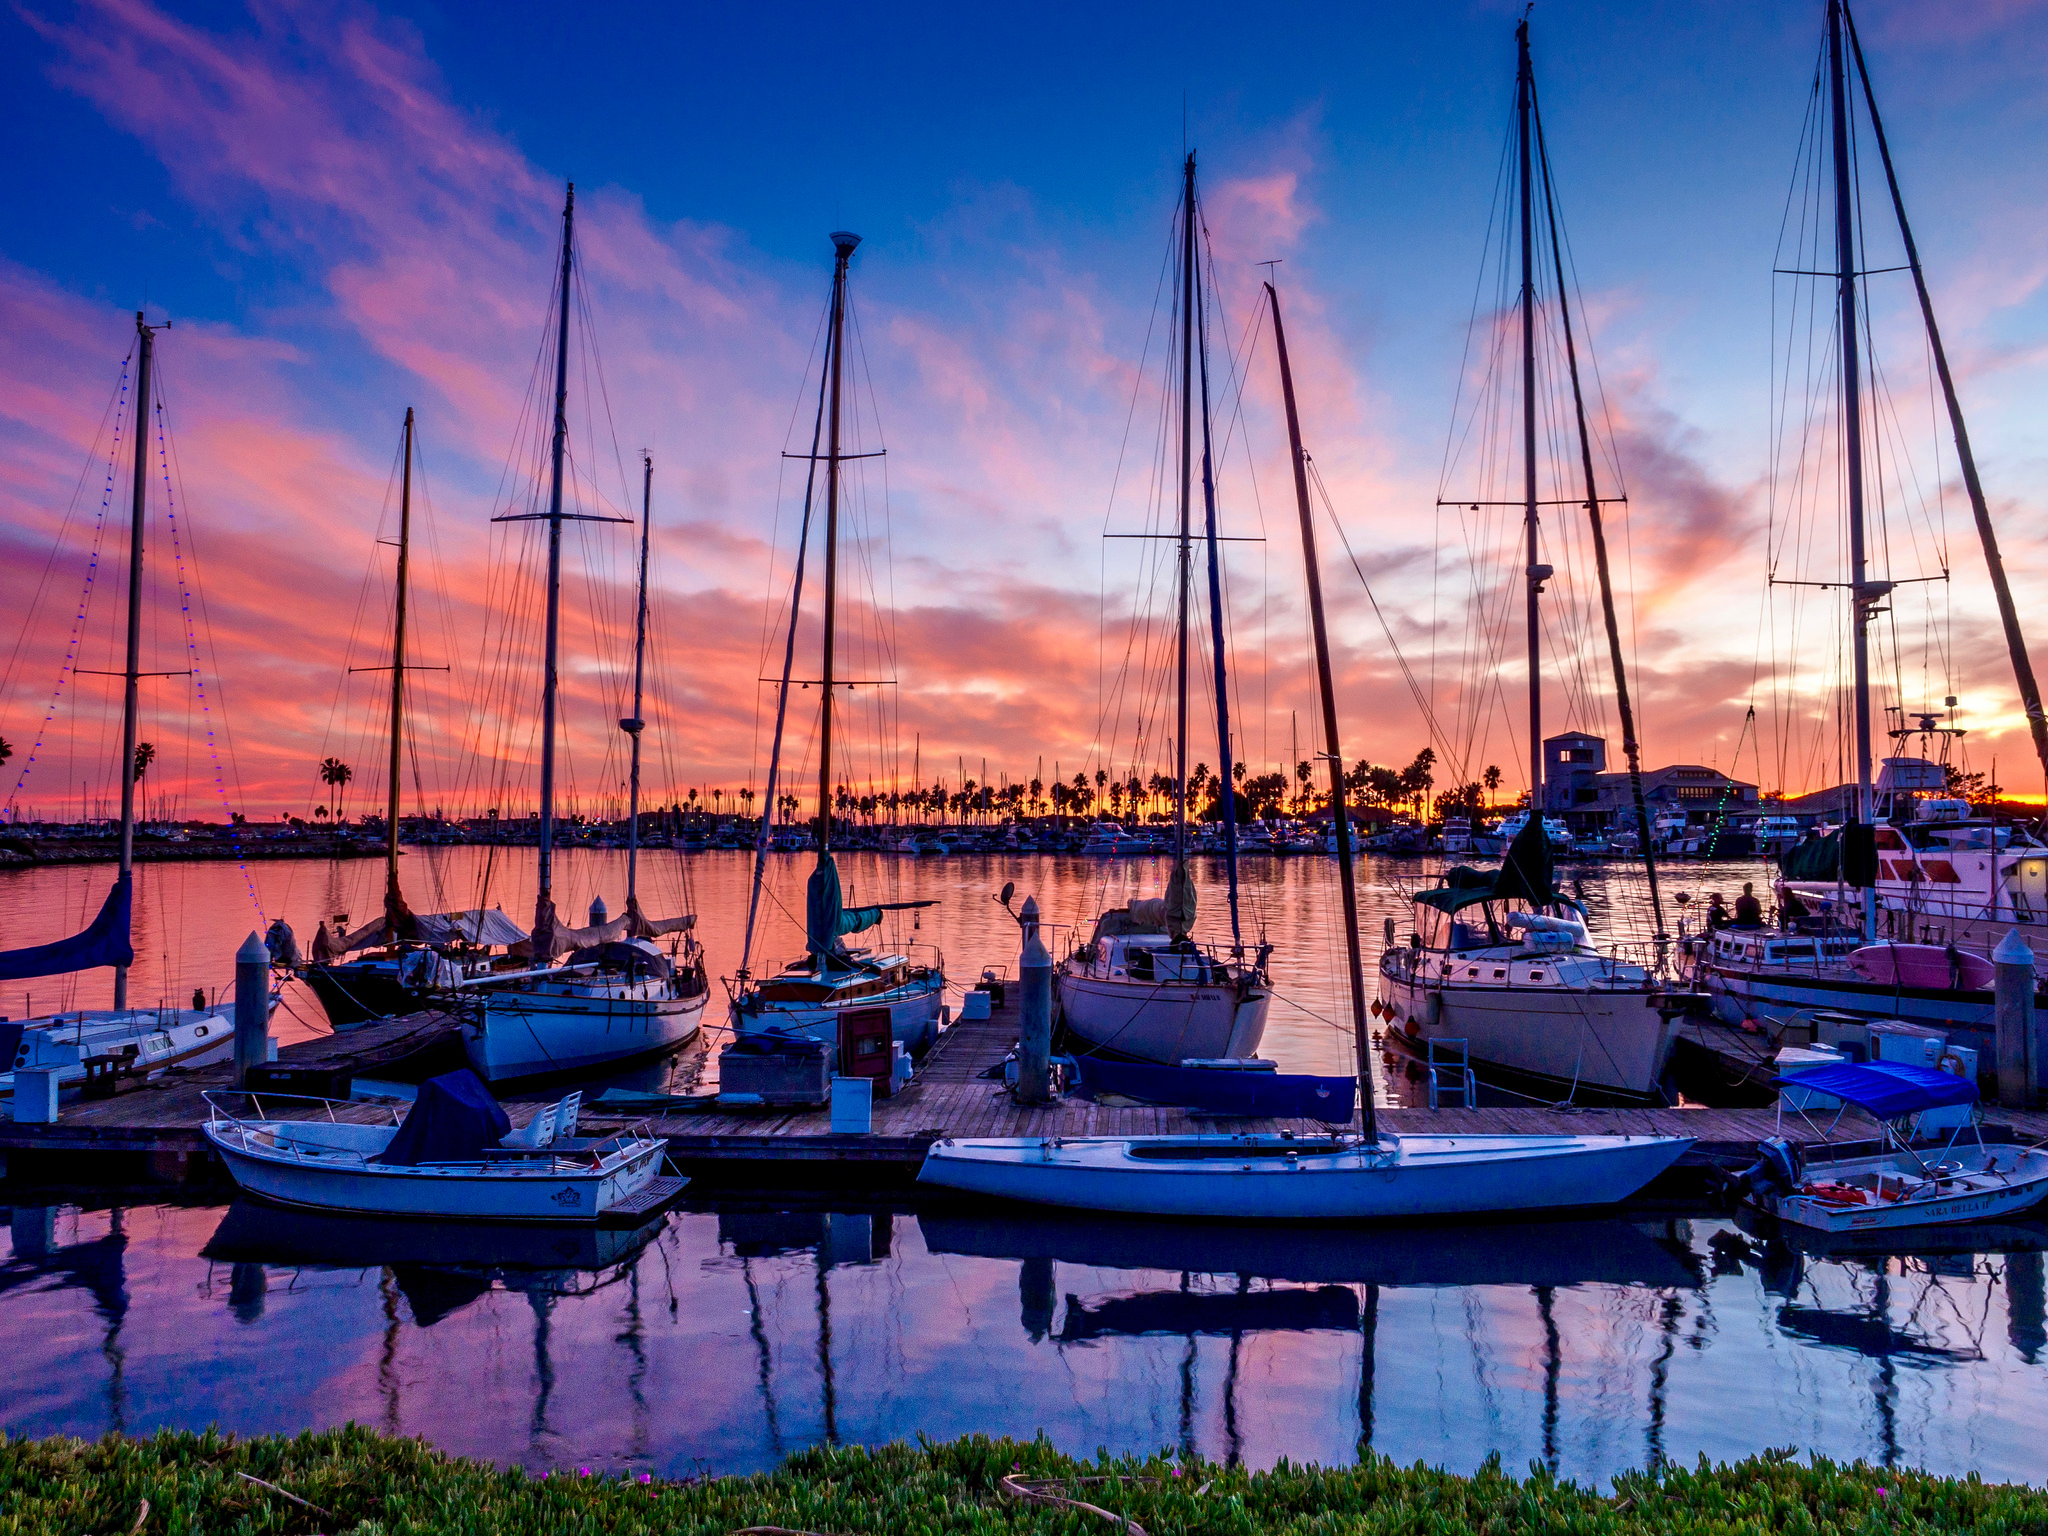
x=1902 y=1186
x=452 y=1154
x=1286 y=1177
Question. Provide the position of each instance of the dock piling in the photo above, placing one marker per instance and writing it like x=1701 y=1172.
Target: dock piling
x=252 y=1006
x=2013 y=1014
x=1034 y=1033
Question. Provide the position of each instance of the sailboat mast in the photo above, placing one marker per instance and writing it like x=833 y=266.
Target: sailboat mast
x=544 y=901
x=2015 y=642
x=843 y=244
x=131 y=675
x=1228 y=798
x=634 y=726
x=1630 y=747
x=1184 y=553
x=1862 y=593
x=1340 y=820
x=393 y=900
x=1525 y=90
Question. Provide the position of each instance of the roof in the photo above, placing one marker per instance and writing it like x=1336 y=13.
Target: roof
x=1887 y=1089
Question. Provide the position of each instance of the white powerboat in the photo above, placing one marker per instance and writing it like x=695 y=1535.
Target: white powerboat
x=1902 y=1186
x=451 y=1154
x=1288 y=1178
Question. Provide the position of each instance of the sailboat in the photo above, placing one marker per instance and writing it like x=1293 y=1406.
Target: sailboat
x=1140 y=987
x=1503 y=962
x=810 y=995
x=137 y=1041
x=1322 y=1176
x=1915 y=875
x=616 y=996
x=419 y=954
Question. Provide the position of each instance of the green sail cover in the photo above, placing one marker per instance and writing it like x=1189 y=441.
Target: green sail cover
x=827 y=918
x=1813 y=858
x=1526 y=874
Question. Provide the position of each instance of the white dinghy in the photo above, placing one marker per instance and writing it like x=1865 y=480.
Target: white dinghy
x=1285 y=1177
x=1901 y=1186
x=452 y=1155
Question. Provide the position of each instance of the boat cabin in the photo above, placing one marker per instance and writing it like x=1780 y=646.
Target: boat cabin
x=810 y=980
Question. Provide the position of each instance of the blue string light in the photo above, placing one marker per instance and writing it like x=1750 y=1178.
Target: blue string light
x=198 y=678
x=77 y=639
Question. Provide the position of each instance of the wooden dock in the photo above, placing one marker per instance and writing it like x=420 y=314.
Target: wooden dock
x=950 y=1096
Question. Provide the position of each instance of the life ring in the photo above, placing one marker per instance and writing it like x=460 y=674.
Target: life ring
x=1952 y=1061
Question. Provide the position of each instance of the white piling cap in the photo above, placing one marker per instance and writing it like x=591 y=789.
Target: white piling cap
x=2012 y=950
x=253 y=951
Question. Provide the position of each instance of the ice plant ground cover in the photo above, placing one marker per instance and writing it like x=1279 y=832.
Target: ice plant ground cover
x=354 y=1480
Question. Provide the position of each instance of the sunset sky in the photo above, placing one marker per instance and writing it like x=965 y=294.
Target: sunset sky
x=346 y=210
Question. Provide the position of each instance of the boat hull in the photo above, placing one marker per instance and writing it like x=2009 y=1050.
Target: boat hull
x=1160 y=1021
x=364 y=1190
x=915 y=1015
x=1971 y=1196
x=1614 y=1041
x=1965 y=1016
x=523 y=1035
x=1257 y=1178
x=352 y=994
x=185 y=1037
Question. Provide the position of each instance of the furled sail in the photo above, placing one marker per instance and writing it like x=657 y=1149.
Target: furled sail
x=1180 y=902
x=640 y=926
x=827 y=918
x=103 y=942
x=1526 y=872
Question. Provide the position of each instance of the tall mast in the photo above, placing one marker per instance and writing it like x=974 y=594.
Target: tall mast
x=2015 y=642
x=131 y=675
x=544 y=902
x=1187 y=448
x=1629 y=745
x=1228 y=799
x=1863 y=594
x=842 y=243
x=635 y=725
x=1340 y=820
x=394 y=901
x=1525 y=90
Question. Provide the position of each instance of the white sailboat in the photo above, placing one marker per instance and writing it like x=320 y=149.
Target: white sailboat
x=1140 y=987
x=1321 y=1177
x=617 y=996
x=810 y=995
x=123 y=1040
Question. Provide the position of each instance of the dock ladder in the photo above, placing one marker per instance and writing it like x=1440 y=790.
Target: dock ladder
x=1450 y=1074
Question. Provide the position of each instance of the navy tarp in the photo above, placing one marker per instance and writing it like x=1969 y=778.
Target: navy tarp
x=452 y=1121
x=1887 y=1089
x=827 y=918
x=1217 y=1089
x=105 y=942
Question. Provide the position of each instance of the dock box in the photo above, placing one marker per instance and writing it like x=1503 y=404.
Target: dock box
x=776 y=1069
x=866 y=1039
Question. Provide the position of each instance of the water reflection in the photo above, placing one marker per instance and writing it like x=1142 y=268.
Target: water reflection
x=727 y=1337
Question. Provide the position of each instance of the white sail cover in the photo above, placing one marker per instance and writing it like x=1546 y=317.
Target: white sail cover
x=640 y=926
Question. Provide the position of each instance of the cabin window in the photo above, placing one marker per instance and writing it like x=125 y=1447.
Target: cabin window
x=1535 y=975
x=1499 y=973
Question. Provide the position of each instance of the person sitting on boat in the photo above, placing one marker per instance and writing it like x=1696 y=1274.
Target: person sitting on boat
x=1717 y=911
x=1790 y=909
x=1749 y=912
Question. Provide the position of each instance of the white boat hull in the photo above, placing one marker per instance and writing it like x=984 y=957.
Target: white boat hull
x=1615 y=1041
x=2016 y=1179
x=1273 y=1178
x=562 y=1028
x=1161 y=1021
x=326 y=1167
x=915 y=1015
x=169 y=1037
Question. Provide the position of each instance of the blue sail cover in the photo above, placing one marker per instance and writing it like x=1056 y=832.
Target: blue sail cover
x=104 y=942
x=1887 y=1089
x=452 y=1121
x=1280 y=1095
x=827 y=918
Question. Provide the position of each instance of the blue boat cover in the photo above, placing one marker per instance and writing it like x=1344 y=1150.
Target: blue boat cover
x=1887 y=1089
x=104 y=942
x=452 y=1121
x=1222 y=1091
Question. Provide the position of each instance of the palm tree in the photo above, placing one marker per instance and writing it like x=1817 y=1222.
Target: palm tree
x=334 y=773
x=1491 y=779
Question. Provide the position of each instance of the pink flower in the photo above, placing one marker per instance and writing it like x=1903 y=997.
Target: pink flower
x=1884 y=1493
x=583 y=1471
x=646 y=1477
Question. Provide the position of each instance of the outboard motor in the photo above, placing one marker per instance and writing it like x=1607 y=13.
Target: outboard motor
x=283 y=945
x=1779 y=1166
